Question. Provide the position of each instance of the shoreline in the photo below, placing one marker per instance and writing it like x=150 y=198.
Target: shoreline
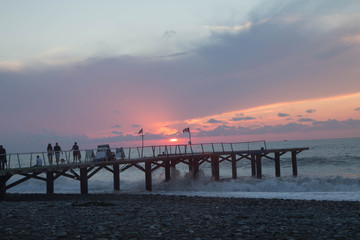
x=29 y=197
x=154 y=216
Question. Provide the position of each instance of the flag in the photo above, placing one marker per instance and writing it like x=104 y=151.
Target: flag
x=141 y=131
x=186 y=130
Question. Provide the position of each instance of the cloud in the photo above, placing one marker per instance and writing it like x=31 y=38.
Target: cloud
x=242 y=119
x=232 y=29
x=306 y=120
x=299 y=46
x=283 y=115
x=116 y=126
x=214 y=121
x=311 y=110
x=292 y=127
x=11 y=66
x=333 y=124
x=117 y=132
x=357 y=109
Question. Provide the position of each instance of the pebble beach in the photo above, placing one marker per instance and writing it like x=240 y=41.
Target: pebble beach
x=148 y=216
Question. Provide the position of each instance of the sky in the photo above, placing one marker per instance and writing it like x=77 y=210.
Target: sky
x=97 y=72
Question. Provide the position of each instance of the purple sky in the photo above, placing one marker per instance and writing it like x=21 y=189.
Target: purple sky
x=274 y=52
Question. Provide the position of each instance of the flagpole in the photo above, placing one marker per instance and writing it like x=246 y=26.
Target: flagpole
x=142 y=141
x=188 y=130
x=189 y=137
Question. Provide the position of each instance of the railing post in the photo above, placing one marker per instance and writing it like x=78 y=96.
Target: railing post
x=18 y=160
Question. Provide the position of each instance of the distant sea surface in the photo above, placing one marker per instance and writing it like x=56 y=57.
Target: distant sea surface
x=330 y=170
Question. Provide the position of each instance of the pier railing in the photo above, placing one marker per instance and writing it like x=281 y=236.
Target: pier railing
x=25 y=160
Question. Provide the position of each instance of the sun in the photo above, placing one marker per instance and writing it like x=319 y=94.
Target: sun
x=173 y=140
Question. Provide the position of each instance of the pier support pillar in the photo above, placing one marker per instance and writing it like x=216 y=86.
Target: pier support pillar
x=148 y=180
x=294 y=164
x=190 y=165
x=3 y=180
x=116 y=177
x=253 y=165
x=167 y=170
x=258 y=166
x=277 y=164
x=195 y=167
x=173 y=168
x=83 y=181
x=49 y=182
x=233 y=165
x=215 y=167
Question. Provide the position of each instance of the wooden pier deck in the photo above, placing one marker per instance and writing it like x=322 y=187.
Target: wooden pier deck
x=147 y=160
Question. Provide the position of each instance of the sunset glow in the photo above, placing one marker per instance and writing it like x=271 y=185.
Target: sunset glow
x=255 y=70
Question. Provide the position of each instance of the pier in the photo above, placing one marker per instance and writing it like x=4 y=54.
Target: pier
x=147 y=160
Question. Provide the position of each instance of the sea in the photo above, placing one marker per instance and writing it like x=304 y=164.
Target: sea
x=329 y=170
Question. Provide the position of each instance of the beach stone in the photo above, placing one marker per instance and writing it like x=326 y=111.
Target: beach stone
x=135 y=216
x=61 y=234
x=208 y=217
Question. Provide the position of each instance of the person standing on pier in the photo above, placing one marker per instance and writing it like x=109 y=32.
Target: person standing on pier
x=2 y=157
x=50 y=153
x=57 y=150
x=76 y=152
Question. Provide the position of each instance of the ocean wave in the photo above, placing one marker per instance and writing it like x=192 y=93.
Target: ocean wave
x=283 y=184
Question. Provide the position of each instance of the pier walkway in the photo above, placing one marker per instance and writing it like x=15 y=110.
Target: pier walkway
x=145 y=159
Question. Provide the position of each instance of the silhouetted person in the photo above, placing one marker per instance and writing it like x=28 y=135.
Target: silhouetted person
x=57 y=150
x=50 y=153
x=76 y=152
x=2 y=157
x=38 y=161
